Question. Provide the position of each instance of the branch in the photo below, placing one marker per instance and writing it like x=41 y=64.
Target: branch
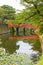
x=41 y=15
x=34 y=6
x=31 y=16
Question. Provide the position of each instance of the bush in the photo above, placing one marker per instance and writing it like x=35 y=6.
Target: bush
x=14 y=59
x=40 y=61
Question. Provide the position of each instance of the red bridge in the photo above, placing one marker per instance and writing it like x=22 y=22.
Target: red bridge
x=22 y=25
x=17 y=26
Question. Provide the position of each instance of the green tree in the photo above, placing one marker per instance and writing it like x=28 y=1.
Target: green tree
x=2 y=14
x=8 y=13
x=34 y=8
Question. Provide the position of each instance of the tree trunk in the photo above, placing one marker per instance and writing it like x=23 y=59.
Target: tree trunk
x=41 y=41
x=40 y=37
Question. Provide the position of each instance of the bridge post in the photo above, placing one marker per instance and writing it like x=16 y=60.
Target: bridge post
x=24 y=31
x=31 y=31
x=17 y=30
x=12 y=31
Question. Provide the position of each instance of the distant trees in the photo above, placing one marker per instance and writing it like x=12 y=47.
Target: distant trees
x=6 y=13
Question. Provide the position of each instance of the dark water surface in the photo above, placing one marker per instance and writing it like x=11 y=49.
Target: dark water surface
x=31 y=47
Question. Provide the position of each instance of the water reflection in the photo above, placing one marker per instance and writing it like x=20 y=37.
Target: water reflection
x=14 y=45
x=9 y=45
x=26 y=48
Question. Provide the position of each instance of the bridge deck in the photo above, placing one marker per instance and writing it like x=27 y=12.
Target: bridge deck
x=22 y=25
x=23 y=37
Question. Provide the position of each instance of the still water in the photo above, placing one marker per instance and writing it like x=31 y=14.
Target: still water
x=33 y=49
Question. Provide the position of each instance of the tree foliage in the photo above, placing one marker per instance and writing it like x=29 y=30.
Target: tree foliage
x=7 y=13
x=34 y=9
